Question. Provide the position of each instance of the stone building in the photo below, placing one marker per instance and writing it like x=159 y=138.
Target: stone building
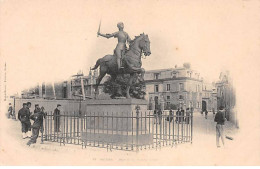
x=178 y=87
x=226 y=96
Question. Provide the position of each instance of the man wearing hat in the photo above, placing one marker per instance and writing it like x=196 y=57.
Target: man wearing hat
x=37 y=117
x=37 y=108
x=56 y=118
x=23 y=116
x=220 y=119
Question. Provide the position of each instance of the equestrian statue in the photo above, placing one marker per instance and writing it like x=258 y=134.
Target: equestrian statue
x=124 y=61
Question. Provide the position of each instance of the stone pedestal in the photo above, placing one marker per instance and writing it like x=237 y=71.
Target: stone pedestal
x=116 y=120
x=114 y=105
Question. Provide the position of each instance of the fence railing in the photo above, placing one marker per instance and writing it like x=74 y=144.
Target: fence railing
x=131 y=131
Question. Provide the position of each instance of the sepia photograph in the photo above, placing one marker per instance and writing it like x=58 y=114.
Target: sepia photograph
x=129 y=83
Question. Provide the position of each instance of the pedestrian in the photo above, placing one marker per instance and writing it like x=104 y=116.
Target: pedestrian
x=160 y=116
x=56 y=118
x=220 y=119
x=155 y=116
x=42 y=127
x=192 y=109
x=206 y=114
x=187 y=119
x=38 y=109
x=29 y=133
x=213 y=110
x=24 y=117
x=177 y=115
x=182 y=115
x=10 y=111
x=37 y=117
x=170 y=117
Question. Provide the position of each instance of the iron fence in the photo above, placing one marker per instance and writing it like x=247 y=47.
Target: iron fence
x=132 y=131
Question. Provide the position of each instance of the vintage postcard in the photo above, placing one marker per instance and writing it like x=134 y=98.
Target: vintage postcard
x=119 y=82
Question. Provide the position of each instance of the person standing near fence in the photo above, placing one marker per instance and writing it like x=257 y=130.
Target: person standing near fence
x=24 y=117
x=37 y=108
x=177 y=115
x=160 y=116
x=37 y=117
x=155 y=115
x=42 y=127
x=182 y=115
x=220 y=119
x=29 y=133
x=56 y=118
x=188 y=113
x=170 y=115
x=10 y=111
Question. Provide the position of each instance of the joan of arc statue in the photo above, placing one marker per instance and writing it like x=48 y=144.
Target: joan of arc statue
x=122 y=38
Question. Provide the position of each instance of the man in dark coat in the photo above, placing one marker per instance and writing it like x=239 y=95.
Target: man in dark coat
x=37 y=117
x=188 y=114
x=56 y=118
x=29 y=133
x=170 y=117
x=177 y=115
x=24 y=117
x=155 y=115
x=10 y=110
x=160 y=116
x=220 y=119
x=206 y=114
x=182 y=115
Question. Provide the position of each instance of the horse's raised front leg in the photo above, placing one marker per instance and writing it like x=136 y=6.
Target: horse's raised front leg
x=129 y=85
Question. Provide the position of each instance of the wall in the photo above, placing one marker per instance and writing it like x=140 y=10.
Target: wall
x=49 y=105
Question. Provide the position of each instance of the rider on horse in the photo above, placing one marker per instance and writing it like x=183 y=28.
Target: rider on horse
x=122 y=37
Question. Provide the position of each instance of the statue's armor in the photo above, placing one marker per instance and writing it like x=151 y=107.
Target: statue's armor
x=121 y=46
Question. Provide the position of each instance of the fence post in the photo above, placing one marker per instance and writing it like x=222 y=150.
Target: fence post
x=45 y=126
x=42 y=127
x=191 y=126
x=137 y=108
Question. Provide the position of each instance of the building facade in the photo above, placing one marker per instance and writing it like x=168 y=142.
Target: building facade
x=165 y=88
x=226 y=96
x=178 y=87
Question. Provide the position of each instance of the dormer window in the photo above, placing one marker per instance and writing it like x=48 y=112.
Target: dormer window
x=174 y=74
x=156 y=76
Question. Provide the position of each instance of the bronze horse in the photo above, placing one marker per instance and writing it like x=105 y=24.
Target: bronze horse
x=131 y=62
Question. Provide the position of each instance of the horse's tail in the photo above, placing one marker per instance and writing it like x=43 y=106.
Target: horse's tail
x=97 y=64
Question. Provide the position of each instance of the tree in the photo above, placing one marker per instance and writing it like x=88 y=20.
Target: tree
x=118 y=87
x=186 y=65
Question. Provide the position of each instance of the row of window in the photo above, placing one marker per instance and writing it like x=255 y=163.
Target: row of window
x=168 y=87
x=198 y=104
x=181 y=87
x=174 y=75
x=169 y=97
x=156 y=75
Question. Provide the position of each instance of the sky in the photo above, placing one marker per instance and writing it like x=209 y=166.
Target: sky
x=52 y=40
